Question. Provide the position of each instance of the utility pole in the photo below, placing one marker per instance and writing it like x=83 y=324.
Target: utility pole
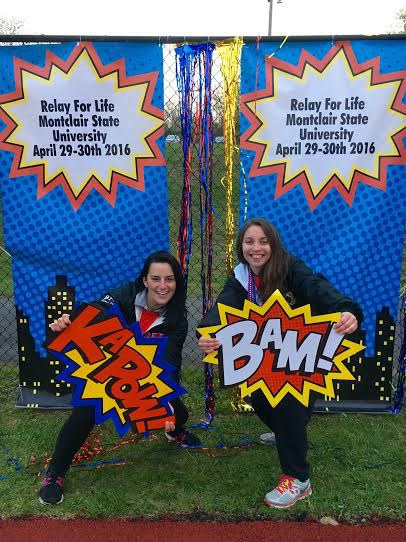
x=270 y=15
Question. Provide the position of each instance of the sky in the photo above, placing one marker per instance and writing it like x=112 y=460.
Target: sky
x=204 y=17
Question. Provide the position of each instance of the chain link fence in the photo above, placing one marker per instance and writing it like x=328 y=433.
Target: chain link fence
x=192 y=369
x=8 y=326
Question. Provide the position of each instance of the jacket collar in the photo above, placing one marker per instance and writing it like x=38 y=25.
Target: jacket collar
x=140 y=304
x=241 y=273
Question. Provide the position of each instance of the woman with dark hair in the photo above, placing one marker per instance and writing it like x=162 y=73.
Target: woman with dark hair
x=265 y=266
x=156 y=300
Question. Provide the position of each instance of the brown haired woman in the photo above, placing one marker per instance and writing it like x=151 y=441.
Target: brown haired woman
x=264 y=267
x=156 y=300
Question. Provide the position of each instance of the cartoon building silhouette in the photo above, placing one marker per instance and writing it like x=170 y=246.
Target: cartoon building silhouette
x=38 y=374
x=373 y=375
x=61 y=300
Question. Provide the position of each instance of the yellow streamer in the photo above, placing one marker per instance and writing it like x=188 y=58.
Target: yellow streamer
x=230 y=53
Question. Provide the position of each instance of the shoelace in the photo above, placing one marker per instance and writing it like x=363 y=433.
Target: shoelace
x=181 y=436
x=285 y=484
x=52 y=478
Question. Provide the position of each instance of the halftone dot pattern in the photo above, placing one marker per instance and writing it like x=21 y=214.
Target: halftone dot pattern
x=98 y=246
x=358 y=248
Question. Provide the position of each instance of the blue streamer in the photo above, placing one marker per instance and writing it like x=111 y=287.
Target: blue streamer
x=193 y=76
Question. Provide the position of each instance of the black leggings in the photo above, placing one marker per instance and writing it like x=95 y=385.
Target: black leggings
x=78 y=426
x=288 y=420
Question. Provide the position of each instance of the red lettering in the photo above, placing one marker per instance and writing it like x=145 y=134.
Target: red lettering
x=128 y=366
x=145 y=406
x=82 y=335
x=117 y=340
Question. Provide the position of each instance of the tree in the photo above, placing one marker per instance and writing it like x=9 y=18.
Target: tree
x=402 y=19
x=10 y=26
x=400 y=24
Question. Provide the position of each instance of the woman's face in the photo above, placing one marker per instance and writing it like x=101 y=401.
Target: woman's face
x=161 y=284
x=256 y=248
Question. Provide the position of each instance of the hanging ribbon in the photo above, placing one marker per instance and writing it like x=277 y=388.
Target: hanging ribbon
x=184 y=80
x=230 y=54
x=193 y=75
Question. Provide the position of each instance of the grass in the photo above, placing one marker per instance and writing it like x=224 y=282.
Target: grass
x=358 y=469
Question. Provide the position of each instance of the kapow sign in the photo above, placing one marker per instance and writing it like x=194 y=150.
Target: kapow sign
x=279 y=350
x=116 y=370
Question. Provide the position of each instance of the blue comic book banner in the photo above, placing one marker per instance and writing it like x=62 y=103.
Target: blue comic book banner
x=322 y=138
x=83 y=181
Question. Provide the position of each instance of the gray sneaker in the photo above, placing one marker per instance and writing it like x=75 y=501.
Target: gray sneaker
x=267 y=438
x=289 y=491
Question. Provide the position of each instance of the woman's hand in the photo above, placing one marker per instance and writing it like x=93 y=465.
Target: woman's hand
x=208 y=344
x=62 y=323
x=346 y=324
x=170 y=426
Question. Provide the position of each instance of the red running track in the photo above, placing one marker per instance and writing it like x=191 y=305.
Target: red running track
x=103 y=530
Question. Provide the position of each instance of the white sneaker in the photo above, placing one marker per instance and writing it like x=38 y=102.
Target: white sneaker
x=289 y=491
x=267 y=438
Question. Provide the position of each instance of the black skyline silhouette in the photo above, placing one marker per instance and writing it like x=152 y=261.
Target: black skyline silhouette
x=373 y=374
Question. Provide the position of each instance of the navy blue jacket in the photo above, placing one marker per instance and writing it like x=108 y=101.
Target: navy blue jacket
x=307 y=288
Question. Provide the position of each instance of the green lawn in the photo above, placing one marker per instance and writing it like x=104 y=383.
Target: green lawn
x=358 y=470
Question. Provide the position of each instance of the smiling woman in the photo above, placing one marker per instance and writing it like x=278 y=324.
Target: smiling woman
x=256 y=248
x=160 y=283
x=156 y=300
x=265 y=266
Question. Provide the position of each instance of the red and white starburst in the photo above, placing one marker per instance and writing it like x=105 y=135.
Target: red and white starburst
x=350 y=150
x=108 y=133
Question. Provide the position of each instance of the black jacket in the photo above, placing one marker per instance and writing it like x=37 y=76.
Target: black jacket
x=124 y=297
x=307 y=288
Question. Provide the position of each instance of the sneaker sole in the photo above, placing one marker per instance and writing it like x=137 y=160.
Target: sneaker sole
x=172 y=440
x=49 y=503
x=267 y=442
x=299 y=498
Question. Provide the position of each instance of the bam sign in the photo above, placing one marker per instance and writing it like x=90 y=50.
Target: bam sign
x=279 y=350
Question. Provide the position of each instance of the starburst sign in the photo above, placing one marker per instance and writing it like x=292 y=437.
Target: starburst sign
x=82 y=125
x=116 y=370
x=279 y=350
x=325 y=124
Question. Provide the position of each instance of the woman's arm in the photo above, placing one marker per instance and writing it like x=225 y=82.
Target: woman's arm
x=233 y=295
x=123 y=296
x=315 y=289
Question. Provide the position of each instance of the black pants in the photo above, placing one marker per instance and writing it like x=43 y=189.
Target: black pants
x=288 y=420
x=77 y=428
